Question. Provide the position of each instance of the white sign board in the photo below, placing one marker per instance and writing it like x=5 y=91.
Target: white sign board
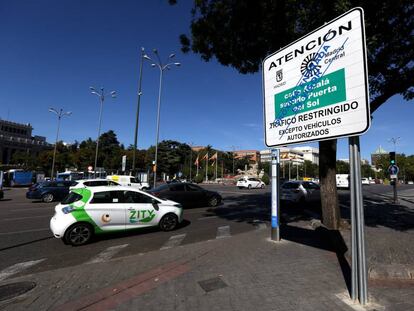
x=316 y=88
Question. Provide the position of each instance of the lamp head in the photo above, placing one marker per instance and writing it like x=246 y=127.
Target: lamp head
x=172 y=55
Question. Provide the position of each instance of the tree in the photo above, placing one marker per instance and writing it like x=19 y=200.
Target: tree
x=241 y=33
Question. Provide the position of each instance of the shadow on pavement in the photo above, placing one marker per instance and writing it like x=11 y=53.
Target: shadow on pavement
x=26 y=243
x=379 y=212
x=132 y=232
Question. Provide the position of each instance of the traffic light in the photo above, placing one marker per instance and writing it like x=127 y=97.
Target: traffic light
x=392 y=157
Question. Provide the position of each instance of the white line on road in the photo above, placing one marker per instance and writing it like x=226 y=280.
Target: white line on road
x=173 y=241
x=24 y=231
x=18 y=267
x=223 y=232
x=28 y=217
x=207 y=217
x=236 y=192
x=107 y=254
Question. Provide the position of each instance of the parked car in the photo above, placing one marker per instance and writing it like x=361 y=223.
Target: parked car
x=49 y=191
x=1 y=194
x=250 y=182
x=365 y=181
x=92 y=183
x=410 y=182
x=129 y=181
x=188 y=195
x=300 y=192
x=88 y=211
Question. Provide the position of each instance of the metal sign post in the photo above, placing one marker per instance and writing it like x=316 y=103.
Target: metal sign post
x=359 y=268
x=275 y=233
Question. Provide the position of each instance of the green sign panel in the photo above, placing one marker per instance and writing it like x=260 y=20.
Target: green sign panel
x=325 y=91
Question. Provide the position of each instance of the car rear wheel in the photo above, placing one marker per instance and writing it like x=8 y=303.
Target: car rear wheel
x=78 y=234
x=262 y=186
x=213 y=202
x=168 y=222
x=48 y=197
x=249 y=187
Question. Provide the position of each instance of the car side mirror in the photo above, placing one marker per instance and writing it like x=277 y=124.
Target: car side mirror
x=155 y=205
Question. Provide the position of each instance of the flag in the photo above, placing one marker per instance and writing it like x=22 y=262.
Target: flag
x=212 y=164
x=196 y=161
x=205 y=156
x=214 y=157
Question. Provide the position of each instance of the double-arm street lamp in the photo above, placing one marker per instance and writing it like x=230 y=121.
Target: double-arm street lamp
x=101 y=96
x=59 y=114
x=161 y=67
x=138 y=107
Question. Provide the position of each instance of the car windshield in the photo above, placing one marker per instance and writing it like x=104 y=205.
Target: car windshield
x=160 y=188
x=71 y=197
x=290 y=185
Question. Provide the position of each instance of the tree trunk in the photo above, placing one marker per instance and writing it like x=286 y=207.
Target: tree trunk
x=327 y=173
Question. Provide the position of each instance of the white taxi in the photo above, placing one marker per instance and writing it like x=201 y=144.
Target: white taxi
x=250 y=182
x=88 y=211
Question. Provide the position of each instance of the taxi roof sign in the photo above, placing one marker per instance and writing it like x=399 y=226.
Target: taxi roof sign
x=316 y=88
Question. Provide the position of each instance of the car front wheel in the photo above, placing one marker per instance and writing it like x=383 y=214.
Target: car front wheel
x=249 y=187
x=213 y=202
x=168 y=222
x=78 y=234
x=262 y=186
x=48 y=197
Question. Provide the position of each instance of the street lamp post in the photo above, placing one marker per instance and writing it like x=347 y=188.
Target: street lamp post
x=161 y=67
x=138 y=107
x=59 y=114
x=101 y=96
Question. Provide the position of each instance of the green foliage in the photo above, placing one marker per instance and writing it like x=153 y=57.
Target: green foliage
x=199 y=178
x=241 y=33
x=266 y=178
x=342 y=167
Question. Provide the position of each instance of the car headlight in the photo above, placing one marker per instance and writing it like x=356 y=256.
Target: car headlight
x=68 y=209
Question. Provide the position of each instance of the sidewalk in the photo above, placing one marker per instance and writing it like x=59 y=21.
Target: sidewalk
x=389 y=233
x=244 y=272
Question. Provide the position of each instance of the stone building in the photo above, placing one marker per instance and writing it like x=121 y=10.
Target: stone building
x=18 y=137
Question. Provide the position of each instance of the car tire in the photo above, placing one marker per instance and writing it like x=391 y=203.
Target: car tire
x=249 y=187
x=144 y=188
x=240 y=187
x=262 y=186
x=168 y=222
x=48 y=197
x=213 y=201
x=78 y=234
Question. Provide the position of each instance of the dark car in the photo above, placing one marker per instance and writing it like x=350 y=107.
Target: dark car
x=1 y=194
x=188 y=195
x=49 y=191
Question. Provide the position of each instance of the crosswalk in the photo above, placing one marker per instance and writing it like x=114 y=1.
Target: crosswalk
x=110 y=252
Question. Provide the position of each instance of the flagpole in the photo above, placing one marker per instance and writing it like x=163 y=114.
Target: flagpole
x=206 y=166
x=197 y=164
x=216 y=166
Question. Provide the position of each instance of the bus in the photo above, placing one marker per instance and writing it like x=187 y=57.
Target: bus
x=18 y=177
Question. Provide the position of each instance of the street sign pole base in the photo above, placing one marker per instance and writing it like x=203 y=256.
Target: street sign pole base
x=275 y=234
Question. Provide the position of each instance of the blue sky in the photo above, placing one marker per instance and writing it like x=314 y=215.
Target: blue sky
x=52 y=51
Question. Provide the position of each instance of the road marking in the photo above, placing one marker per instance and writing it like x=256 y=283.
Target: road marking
x=107 y=254
x=207 y=217
x=236 y=192
x=20 y=218
x=24 y=231
x=173 y=241
x=48 y=209
x=223 y=232
x=18 y=267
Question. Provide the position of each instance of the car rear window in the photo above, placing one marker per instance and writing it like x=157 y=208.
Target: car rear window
x=177 y=187
x=290 y=185
x=71 y=197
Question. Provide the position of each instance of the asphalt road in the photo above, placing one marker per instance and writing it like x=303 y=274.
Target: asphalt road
x=27 y=245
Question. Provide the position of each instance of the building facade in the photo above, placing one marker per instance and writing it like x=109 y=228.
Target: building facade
x=295 y=156
x=18 y=137
x=252 y=155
